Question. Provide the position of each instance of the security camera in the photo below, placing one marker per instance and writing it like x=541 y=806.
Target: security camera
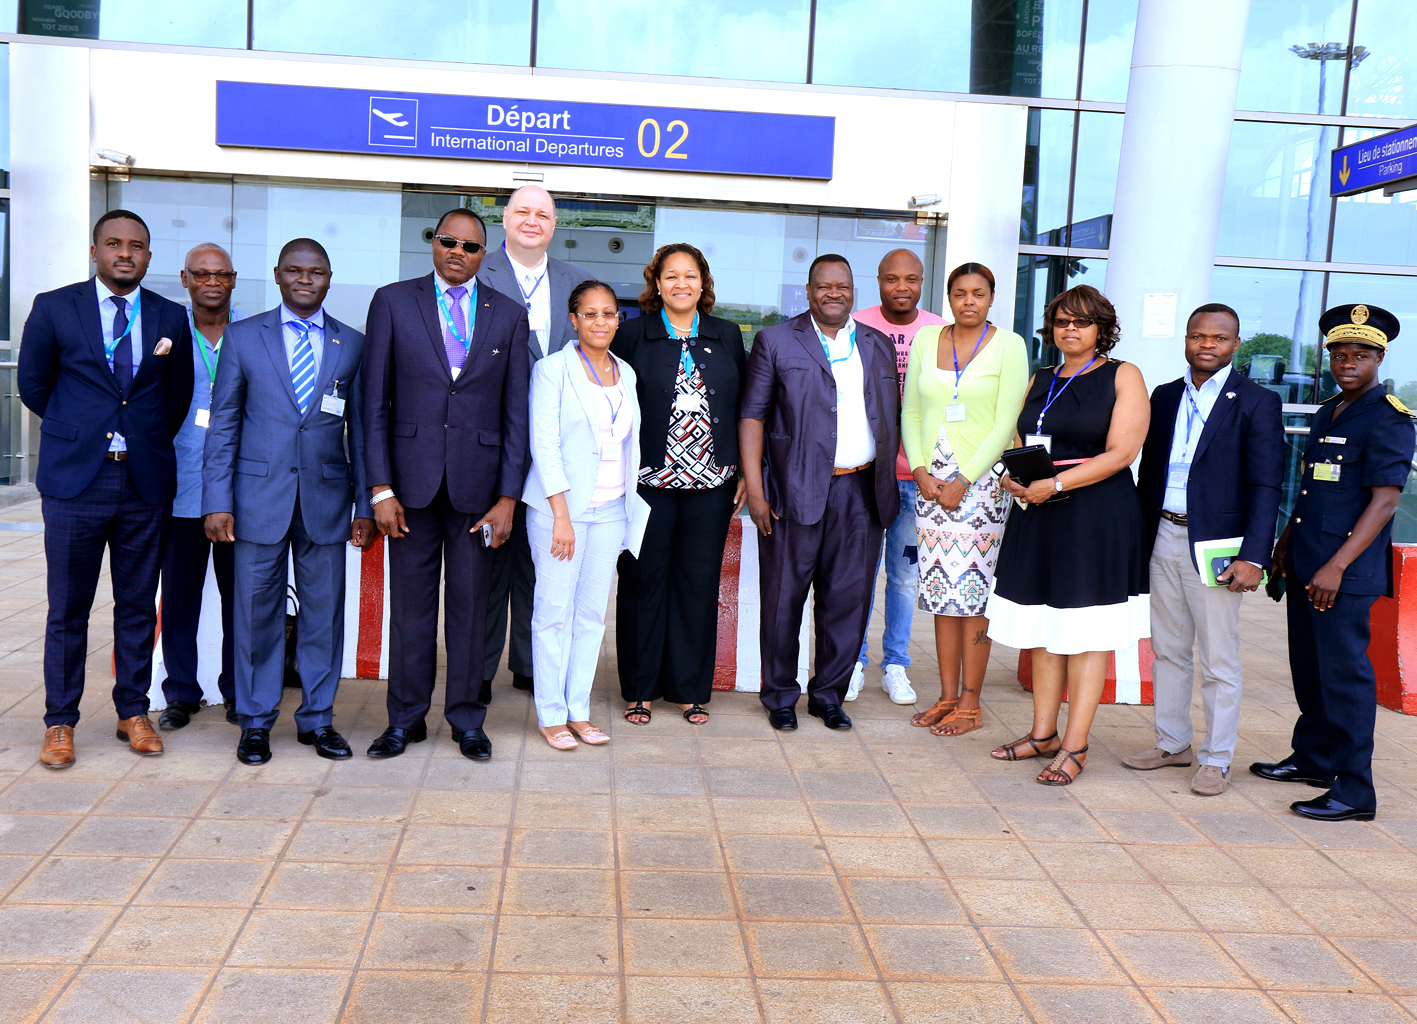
x=115 y=157
x=928 y=199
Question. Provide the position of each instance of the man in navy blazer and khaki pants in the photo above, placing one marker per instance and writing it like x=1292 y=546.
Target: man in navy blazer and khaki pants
x=1211 y=469
x=445 y=421
x=282 y=471
x=824 y=390
x=108 y=368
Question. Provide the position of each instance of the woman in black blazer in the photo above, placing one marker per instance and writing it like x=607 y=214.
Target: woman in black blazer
x=688 y=367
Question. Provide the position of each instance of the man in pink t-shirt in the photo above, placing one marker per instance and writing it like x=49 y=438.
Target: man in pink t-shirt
x=900 y=276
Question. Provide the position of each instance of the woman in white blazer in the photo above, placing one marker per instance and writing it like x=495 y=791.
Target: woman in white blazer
x=583 y=509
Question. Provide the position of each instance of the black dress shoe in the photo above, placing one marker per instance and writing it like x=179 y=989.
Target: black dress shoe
x=1283 y=771
x=484 y=695
x=521 y=682
x=474 y=744
x=1326 y=808
x=231 y=715
x=327 y=743
x=831 y=715
x=783 y=718
x=393 y=742
x=177 y=714
x=255 y=746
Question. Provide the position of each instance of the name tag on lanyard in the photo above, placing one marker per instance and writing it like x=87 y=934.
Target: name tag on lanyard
x=955 y=413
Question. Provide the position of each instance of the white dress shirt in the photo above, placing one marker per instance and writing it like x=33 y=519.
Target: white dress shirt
x=1191 y=415
x=855 y=444
x=465 y=302
x=106 y=308
x=535 y=285
x=290 y=336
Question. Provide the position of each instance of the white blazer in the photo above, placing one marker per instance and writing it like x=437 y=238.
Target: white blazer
x=565 y=439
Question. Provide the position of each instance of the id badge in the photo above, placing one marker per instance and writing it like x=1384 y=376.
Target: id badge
x=954 y=414
x=1177 y=475
x=1046 y=440
x=1329 y=471
x=332 y=404
x=687 y=403
x=204 y=418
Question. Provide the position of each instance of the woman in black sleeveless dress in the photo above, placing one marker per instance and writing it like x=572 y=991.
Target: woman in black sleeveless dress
x=1071 y=584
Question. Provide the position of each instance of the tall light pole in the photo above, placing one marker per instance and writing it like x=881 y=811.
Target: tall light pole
x=1315 y=227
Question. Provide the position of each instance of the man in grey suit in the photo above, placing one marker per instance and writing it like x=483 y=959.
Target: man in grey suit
x=283 y=468
x=520 y=269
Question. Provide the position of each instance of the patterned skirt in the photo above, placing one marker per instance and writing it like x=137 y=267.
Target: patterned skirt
x=958 y=549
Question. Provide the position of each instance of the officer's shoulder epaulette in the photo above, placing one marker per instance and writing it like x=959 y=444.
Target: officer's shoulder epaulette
x=1332 y=398
x=1396 y=403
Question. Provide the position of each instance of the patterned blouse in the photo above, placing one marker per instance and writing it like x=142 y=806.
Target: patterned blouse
x=688 y=453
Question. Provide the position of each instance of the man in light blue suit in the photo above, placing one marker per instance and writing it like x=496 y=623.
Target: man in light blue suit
x=284 y=467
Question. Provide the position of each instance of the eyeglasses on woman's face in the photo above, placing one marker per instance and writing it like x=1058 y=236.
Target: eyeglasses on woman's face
x=1062 y=323
x=590 y=318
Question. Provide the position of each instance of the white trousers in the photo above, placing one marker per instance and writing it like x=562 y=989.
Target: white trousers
x=568 y=609
x=1187 y=615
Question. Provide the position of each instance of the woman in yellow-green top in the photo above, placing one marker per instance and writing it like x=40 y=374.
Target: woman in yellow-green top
x=964 y=388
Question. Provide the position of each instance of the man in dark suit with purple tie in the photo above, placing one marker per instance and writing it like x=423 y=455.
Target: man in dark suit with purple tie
x=824 y=390
x=446 y=453
x=107 y=366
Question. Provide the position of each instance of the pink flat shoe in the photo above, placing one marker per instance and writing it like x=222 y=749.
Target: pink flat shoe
x=589 y=734
x=558 y=737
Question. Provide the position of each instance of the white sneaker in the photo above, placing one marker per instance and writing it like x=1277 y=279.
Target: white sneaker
x=897 y=686
x=858 y=679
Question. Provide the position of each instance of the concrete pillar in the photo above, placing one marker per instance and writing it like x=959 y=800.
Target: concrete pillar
x=1175 y=143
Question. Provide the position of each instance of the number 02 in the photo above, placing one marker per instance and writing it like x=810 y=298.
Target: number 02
x=670 y=153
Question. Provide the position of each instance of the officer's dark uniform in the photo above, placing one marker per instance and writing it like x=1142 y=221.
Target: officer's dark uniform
x=1370 y=445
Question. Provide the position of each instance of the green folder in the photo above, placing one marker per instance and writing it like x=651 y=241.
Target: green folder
x=1207 y=551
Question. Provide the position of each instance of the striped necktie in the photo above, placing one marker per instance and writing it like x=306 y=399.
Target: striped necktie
x=302 y=367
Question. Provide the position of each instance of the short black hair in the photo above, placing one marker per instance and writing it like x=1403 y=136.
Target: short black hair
x=460 y=211
x=1215 y=307
x=828 y=257
x=302 y=245
x=589 y=285
x=121 y=215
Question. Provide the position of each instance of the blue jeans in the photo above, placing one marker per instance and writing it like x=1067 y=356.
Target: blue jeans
x=902 y=580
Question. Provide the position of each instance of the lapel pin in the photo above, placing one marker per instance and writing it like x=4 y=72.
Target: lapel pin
x=495 y=351
x=1229 y=394
x=708 y=351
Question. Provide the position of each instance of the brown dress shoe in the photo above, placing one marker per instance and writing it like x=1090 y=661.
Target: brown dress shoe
x=141 y=735
x=58 y=748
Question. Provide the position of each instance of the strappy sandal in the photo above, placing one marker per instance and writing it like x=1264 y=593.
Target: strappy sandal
x=1011 y=749
x=638 y=715
x=561 y=739
x=969 y=717
x=590 y=734
x=1054 y=775
x=942 y=709
x=695 y=709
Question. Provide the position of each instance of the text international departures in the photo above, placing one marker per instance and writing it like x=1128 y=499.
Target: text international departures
x=269 y=116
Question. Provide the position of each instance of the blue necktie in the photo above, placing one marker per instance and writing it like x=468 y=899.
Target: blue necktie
x=302 y=367
x=123 y=353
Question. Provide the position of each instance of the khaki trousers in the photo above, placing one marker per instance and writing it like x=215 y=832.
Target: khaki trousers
x=1187 y=615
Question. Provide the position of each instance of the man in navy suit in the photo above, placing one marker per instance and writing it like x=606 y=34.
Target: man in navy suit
x=107 y=366
x=446 y=452
x=282 y=471
x=824 y=390
x=1211 y=469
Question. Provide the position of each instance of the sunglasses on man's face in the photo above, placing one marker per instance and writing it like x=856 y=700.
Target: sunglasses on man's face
x=449 y=242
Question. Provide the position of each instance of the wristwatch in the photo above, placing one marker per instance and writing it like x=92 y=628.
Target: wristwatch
x=1057 y=485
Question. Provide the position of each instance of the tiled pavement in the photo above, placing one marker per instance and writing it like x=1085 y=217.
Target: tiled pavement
x=723 y=874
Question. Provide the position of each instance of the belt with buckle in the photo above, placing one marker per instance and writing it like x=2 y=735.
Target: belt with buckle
x=1179 y=518
x=852 y=469
x=116 y=456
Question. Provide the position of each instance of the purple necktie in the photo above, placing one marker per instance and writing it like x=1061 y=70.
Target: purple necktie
x=457 y=351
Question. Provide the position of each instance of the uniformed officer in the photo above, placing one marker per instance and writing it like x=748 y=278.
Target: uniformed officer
x=1336 y=556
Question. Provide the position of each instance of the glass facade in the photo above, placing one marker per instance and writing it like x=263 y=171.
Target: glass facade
x=471 y=31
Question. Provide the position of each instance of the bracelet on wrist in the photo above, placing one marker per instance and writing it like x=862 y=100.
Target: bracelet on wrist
x=380 y=497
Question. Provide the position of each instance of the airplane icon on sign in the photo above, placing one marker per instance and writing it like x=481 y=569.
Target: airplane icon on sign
x=393 y=121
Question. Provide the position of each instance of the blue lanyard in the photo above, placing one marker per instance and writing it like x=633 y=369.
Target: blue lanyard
x=684 y=359
x=1048 y=402
x=471 y=320
x=955 y=352
x=615 y=376
x=1192 y=411
x=851 y=334
x=109 y=350
x=526 y=296
x=201 y=340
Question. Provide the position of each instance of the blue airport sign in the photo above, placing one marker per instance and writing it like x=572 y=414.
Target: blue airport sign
x=268 y=116
x=1373 y=163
